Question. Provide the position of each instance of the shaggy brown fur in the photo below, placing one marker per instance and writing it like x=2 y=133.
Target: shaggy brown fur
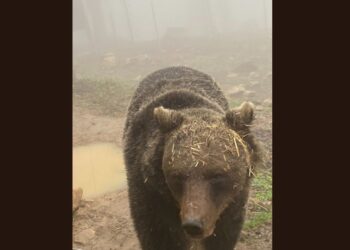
x=189 y=162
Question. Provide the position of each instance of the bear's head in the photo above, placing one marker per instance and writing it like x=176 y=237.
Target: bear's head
x=208 y=159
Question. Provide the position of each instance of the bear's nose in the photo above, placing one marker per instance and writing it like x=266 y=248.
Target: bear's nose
x=193 y=227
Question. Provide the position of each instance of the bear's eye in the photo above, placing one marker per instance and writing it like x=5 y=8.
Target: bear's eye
x=220 y=183
x=219 y=179
x=175 y=182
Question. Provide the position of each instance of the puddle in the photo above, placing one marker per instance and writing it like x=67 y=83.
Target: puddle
x=98 y=169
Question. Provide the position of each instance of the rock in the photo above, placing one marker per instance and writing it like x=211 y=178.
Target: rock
x=77 y=195
x=84 y=236
x=109 y=58
x=236 y=90
x=249 y=93
x=240 y=90
x=144 y=58
x=267 y=102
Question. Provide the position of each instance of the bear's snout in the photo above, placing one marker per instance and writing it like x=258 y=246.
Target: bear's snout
x=193 y=227
x=198 y=214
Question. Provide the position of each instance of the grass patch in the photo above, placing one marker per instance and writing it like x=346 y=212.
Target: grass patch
x=103 y=96
x=262 y=186
x=260 y=207
x=258 y=219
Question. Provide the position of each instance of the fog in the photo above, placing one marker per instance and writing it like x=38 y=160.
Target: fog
x=125 y=40
x=107 y=24
x=116 y=43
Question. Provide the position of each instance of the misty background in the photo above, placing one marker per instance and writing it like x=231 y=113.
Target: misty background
x=116 y=43
x=107 y=24
x=125 y=40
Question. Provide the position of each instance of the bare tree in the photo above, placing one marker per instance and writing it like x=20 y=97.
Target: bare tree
x=128 y=19
x=154 y=20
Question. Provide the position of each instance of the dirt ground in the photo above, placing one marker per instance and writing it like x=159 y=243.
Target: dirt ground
x=91 y=128
x=104 y=222
x=244 y=72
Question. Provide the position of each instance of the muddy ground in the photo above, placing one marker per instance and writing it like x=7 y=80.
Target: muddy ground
x=104 y=222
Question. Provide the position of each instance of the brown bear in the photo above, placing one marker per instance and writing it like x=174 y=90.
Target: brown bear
x=189 y=162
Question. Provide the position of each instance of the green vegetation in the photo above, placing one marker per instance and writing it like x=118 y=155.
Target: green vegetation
x=262 y=186
x=259 y=219
x=261 y=201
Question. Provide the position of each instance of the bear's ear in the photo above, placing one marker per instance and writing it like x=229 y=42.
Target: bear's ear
x=167 y=119
x=241 y=116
